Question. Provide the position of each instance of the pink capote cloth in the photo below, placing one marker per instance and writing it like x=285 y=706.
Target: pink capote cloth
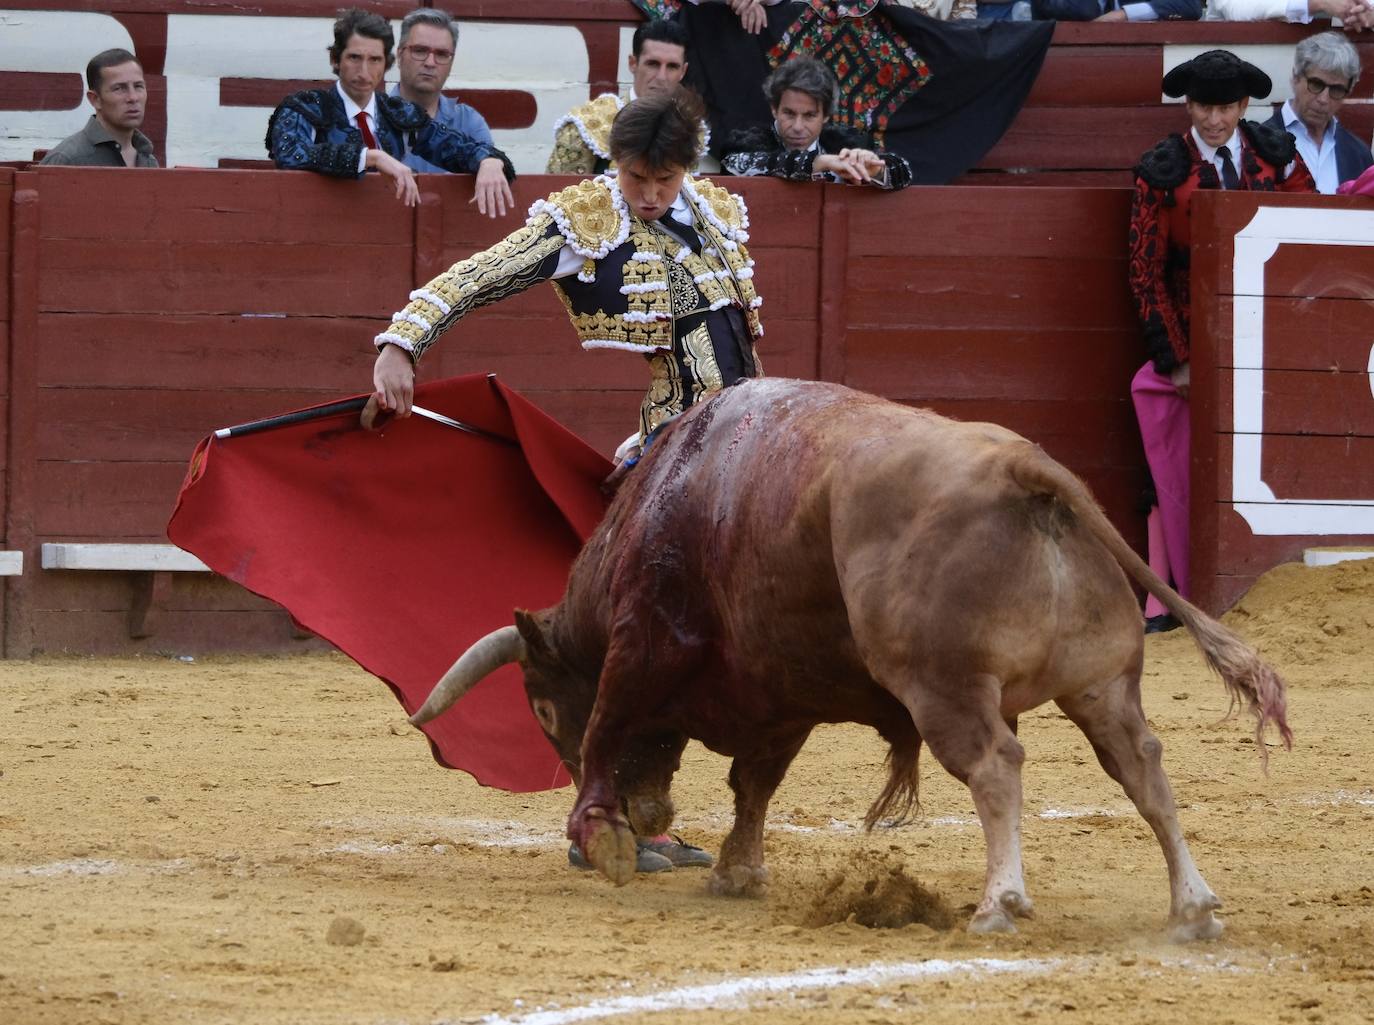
x=1361 y=186
x=1166 y=431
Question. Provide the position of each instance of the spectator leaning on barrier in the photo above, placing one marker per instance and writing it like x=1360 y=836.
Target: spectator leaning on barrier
x=1355 y=15
x=429 y=41
x=354 y=127
x=801 y=144
x=657 y=62
x=1325 y=68
x=1221 y=151
x=111 y=137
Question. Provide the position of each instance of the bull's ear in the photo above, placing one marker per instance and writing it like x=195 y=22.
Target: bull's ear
x=537 y=647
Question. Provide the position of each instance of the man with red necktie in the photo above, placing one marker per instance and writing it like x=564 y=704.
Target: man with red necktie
x=355 y=127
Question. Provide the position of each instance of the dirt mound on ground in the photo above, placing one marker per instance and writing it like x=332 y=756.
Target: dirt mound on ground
x=1299 y=615
x=873 y=890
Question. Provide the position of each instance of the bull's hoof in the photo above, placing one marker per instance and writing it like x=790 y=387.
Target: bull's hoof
x=991 y=921
x=1196 y=922
x=650 y=814
x=739 y=881
x=610 y=847
x=1000 y=917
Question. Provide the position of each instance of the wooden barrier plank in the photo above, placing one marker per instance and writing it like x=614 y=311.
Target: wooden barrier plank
x=1318 y=467
x=155 y=425
x=98 y=501
x=1316 y=402
x=1114 y=178
x=1004 y=226
x=155 y=277
x=198 y=205
x=911 y=363
x=958 y=292
x=1077 y=76
x=1083 y=138
x=205 y=632
x=1325 y=335
x=205 y=353
x=1245 y=557
x=1308 y=271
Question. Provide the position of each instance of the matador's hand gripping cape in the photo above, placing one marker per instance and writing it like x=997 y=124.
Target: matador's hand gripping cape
x=404 y=546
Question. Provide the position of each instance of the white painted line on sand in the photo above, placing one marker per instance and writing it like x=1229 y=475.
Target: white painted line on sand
x=738 y=991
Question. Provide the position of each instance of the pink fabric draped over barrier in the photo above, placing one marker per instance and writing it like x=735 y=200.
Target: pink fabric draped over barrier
x=1165 y=430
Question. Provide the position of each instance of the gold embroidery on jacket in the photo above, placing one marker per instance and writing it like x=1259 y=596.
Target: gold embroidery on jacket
x=508 y=267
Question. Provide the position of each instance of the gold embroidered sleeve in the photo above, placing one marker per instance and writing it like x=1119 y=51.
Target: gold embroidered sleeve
x=520 y=260
x=571 y=154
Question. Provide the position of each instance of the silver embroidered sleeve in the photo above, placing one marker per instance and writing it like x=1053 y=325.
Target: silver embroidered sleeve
x=520 y=260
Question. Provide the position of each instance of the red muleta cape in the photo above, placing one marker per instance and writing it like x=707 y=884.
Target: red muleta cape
x=403 y=546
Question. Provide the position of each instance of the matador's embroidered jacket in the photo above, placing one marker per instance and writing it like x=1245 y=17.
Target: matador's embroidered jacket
x=693 y=315
x=1160 y=235
x=582 y=137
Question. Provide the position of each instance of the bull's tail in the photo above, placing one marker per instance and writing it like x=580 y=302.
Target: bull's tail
x=900 y=800
x=1249 y=679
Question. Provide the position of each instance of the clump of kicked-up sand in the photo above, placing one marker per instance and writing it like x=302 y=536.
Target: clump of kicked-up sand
x=872 y=890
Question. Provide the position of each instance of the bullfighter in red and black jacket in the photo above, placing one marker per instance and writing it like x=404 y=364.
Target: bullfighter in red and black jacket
x=1220 y=151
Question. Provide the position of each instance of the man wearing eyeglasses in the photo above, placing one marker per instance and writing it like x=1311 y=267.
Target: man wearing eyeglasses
x=1325 y=68
x=429 y=39
x=354 y=127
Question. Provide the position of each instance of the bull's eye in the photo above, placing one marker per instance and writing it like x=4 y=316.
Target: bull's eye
x=543 y=711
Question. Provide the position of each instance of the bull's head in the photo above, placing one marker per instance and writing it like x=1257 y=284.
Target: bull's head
x=560 y=697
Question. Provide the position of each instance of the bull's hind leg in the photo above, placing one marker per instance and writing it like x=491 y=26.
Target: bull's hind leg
x=1111 y=717
x=968 y=736
x=740 y=871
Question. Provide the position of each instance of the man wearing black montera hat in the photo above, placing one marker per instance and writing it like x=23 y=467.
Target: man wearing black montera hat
x=1221 y=151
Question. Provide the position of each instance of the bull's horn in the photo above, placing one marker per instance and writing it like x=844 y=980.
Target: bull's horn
x=484 y=657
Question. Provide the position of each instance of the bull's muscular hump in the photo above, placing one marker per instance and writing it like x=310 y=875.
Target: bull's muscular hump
x=792 y=553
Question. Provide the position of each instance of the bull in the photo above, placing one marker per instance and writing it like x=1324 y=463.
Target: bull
x=794 y=553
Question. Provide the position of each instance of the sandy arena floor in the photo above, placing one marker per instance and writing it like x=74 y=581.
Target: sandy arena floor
x=266 y=841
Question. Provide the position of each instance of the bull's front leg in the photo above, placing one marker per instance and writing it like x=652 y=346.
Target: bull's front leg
x=644 y=777
x=740 y=872
x=634 y=677
x=596 y=823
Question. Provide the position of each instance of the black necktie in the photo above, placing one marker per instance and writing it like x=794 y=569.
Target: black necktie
x=1229 y=178
x=681 y=230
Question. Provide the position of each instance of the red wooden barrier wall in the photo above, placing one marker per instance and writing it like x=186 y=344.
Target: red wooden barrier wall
x=150 y=308
x=1293 y=391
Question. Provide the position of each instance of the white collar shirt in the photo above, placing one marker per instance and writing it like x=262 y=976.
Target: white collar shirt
x=1320 y=159
x=1209 y=153
x=351 y=111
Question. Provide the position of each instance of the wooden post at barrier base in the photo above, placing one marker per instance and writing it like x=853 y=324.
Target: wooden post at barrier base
x=1282 y=384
